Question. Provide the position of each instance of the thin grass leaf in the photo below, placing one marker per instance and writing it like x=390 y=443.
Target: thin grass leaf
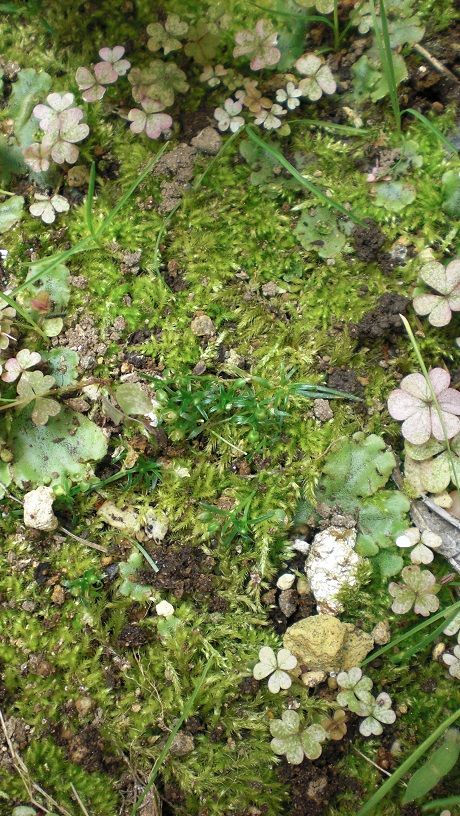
x=146 y=555
x=347 y=130
x=422 y=365
x=24 y=314
x=126 y=196
x=407 y=653
x=436 y=804
x=313 y=391
x=390 y=783
x=167 y=746
x=308 y=18
x=386 y=55
x=310 y=186
x=90 y=200
x=432 y=128
x=54 y=260
x=443 y=613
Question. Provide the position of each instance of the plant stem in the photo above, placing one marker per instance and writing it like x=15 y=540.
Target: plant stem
x=434 y=398
x=336 y=25
x=387 y=786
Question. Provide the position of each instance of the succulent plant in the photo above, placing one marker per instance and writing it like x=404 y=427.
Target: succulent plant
x=32 y=388
x=453 y=660
x=62 y=126
x=275 y=667
x=15 y=366
x=168 y=36
x=115 y=57
x=46 y=207
x=318 y=77
x=37 y=156
x=296 y=742
x=445 y=281
x=417 y=589
x=213 y=74
x=289 y=96
x=414 y=405
x=356 y=687
x=151 y=120
x=258 y=44
x=229 y=117
x=422 y=544
x=376 y=710
x=7 y=314
x=270 y=118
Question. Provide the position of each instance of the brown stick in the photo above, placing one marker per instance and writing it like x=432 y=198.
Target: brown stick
x=438 y=66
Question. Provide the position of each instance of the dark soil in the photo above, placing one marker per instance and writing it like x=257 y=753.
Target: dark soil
x=382 y=322
x=315 y=785
x=345 y=380
x=182 y=570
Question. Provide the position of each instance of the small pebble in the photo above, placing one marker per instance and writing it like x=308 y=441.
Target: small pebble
x=322 y=410
x=381 y=633
x=313 y=678
x=202 y=326
x=285 y=581
x=288 y=602
x=164 y=609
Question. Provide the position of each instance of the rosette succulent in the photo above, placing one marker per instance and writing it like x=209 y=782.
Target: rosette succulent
x=414 y=404
x=295 y=742
x=275 y=667
x=445 y=281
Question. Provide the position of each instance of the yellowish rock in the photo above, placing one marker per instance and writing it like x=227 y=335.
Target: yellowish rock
x=324 y=643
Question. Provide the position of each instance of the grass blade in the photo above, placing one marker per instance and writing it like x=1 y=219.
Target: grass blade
x=436 y=804
x=388 y=786
x=432 y=128
x=24 y=314
x=310 y=186
x=126 y=196
x=166 y=748
x=386 y=56
x=90 y=199
x=347 y=130
x=444 y=613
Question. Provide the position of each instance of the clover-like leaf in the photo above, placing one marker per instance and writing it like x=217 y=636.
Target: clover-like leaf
x=311 y=739
x=31 y=388
x=356 y=469
x=132 y=399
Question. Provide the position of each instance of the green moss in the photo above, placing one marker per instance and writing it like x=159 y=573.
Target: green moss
x=227 y=239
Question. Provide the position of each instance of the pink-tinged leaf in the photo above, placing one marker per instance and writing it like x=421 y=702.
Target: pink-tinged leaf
x=94 y=94
x=60 y=102
x=441 y=314
x=112 y=54
x=138 y=119
x=152 y=105
x=64 y=152
x=402 y=405
x=416 y=385
x=156 y=124
x=85 y=79
x=417 y=428
x=43 y=112
x=105 y=73
x=440 y=379
x=426 y=604
x=308 y=64
x=424 y=304
x=325 y=80
x=75 y=133
x=122 y=67
x=43 y=410
x=454 y=300
x=60 y=203
x=310 y=89
x=449 y=401
x=453 y=274
x=434 y=275
x=450 y=422
x=12 y=370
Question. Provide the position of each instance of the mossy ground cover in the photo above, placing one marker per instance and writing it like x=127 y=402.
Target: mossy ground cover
x=228 y=239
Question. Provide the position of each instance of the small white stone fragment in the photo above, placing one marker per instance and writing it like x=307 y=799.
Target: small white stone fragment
x=285 y=581
x=381 y=633
x=313 y=678
x=301 y=546
x=38 y=509
x=155 y=525
x=164 y=609
x=331 y=564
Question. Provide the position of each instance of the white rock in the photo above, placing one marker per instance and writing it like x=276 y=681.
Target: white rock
x=285 y=581
x=301 y=546
x=330 y=565
x=164 y=609
x=155 y=525
x=38 y=509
